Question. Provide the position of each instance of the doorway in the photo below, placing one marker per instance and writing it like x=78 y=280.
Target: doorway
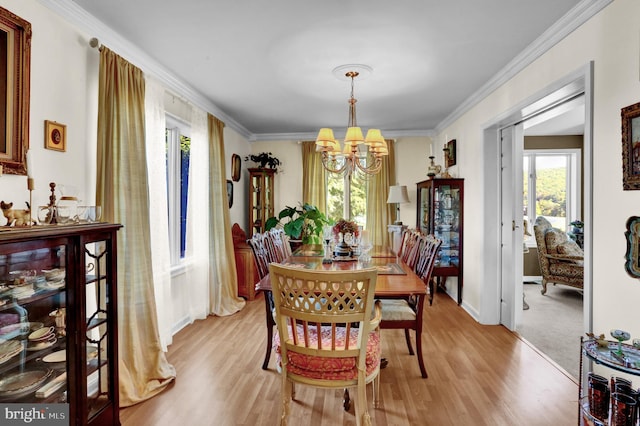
x=501 y=301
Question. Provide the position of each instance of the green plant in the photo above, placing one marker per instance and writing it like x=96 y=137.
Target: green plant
x=264 y=159
x=300 y=223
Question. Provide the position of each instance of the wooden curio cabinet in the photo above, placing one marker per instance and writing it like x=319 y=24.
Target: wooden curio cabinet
x=440 y=212
x=58 y=320
x=260 y=198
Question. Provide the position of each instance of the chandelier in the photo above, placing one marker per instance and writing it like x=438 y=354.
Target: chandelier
x=358 y=155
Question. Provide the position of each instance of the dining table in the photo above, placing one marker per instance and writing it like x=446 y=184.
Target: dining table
x=395 y=279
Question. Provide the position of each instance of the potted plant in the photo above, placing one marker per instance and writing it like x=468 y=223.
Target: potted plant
x=578 y=226
x=302 y=223
x=263 y=160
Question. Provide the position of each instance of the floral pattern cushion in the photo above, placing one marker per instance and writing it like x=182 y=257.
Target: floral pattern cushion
x=554 y=237
x=330 y=368
x=570 y=248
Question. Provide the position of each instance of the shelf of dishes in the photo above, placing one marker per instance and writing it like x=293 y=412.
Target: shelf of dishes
x=25 y=284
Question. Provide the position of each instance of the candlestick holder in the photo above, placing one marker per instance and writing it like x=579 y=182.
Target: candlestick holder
x=30 y=187
x=52 y=215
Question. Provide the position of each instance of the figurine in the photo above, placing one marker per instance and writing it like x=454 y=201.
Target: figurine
x=15 y=217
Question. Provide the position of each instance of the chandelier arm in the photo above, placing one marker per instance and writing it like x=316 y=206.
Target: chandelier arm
x=340 y=170
x=371 y=169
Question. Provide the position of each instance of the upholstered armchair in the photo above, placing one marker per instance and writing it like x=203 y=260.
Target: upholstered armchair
x=561 y=259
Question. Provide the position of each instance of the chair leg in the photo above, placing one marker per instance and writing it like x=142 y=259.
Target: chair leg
x=544 y=287
x=376 y=391
x=285 y=396
x=346 y=400
x=270 y=325
x=407 y=336
x=362 y=413
x=423 y=370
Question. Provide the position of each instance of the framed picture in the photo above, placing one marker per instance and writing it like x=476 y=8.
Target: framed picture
x=632 y=256
x=55 y=136
x=15 y=57
x=235 y=167
x=450 y=153
x=230 y=192
x=631 y=147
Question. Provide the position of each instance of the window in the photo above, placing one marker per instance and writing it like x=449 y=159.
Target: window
x=551 y=187
x=178 y=146
x=347 y=198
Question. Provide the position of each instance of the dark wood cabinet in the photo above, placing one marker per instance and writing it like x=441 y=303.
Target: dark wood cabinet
x=245 y=265
x=440 y=205
x=260 y=198
x=58 y=319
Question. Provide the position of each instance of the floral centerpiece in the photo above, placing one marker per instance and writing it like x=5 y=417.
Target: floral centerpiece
x=345 y=227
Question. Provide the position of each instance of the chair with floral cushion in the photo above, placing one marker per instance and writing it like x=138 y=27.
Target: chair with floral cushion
x=561 y=259
x=328 y=334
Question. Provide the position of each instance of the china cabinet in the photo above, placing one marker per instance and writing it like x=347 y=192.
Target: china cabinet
x=58 y=321
x=440 y=212
x=260 y=198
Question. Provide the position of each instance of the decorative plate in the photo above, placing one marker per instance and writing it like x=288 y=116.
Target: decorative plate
x=20 y=384
x=58 y=356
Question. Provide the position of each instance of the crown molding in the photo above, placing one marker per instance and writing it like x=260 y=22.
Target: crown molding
x=573 y=19
x=388 y=134
x=88 y=23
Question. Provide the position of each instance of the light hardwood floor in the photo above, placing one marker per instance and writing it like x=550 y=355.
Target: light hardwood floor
x=478 y=375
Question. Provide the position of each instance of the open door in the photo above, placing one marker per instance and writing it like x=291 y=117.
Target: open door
x=511 y=222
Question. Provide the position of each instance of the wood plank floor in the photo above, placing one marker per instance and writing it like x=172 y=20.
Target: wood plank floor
x=478 y=375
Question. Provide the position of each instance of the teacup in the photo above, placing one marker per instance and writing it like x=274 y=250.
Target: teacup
x=42 y=334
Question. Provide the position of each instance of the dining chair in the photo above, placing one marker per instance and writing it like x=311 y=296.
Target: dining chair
x=407 y=313
x=278 y=244
x=259 y=247
x=410 y=247
x=281 y=241
x=328 y=335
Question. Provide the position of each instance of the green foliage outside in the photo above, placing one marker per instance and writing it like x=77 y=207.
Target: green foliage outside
x=358 y=199
x=551 y=192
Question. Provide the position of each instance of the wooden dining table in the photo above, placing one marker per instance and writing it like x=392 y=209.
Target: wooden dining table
x=395 y=280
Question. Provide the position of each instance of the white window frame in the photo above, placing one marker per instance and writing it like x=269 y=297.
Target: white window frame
x=573 y=189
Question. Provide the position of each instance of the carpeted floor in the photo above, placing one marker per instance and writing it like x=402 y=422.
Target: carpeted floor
x=553 y=323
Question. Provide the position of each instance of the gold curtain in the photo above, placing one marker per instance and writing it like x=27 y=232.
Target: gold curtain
x=122 y=191
x=223 y=282
x=379 y=213
x=314 y=189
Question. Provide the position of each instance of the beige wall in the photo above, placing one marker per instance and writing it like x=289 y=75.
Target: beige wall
x=610 y=40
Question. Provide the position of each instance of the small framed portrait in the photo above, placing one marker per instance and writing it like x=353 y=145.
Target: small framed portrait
x=230 y=192
x=631 y=147
x=55 y=136
x=450 y=153
x=235 y=167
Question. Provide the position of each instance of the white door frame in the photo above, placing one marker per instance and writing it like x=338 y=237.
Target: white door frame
x=580 y=81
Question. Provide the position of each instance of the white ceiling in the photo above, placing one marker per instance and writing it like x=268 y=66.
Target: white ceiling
x=268 y=64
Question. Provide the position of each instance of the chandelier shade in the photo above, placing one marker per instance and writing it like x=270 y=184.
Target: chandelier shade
x=359 y=154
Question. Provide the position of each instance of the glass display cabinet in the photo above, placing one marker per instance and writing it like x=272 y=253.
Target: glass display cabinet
x=260 y=198
x=58 y=320
x=440 y=212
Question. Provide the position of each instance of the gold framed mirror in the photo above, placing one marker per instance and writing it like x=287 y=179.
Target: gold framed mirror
x=15 y=67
